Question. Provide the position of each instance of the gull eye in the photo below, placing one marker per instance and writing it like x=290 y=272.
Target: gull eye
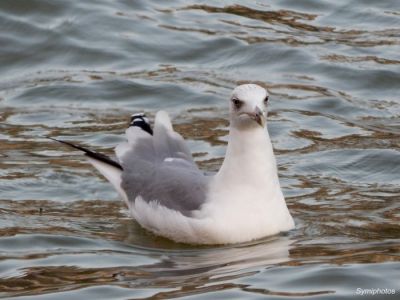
x=237 y=103
x=266 y=100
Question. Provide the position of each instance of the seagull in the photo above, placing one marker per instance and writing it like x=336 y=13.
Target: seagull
x=167 y=193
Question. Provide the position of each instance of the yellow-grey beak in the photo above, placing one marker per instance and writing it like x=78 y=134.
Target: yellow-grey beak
x=258 y=116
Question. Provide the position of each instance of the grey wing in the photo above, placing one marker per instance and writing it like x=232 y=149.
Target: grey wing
x=167 y=142
x=160 y=168
x=170 y=184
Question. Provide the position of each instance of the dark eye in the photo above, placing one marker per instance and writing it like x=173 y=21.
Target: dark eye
x=237 y=103
x=266 y=100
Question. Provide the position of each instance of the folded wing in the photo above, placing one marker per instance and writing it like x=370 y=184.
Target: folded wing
x=160 y=168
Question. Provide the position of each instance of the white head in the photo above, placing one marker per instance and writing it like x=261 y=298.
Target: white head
x=248 y=106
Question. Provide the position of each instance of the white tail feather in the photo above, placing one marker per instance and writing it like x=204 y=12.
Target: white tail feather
x=112 y=174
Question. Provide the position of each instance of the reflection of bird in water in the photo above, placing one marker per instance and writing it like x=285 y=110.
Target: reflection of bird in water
x=167 y=194
x=214 y=263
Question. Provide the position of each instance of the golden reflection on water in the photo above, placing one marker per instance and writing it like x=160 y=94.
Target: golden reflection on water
x=294 y=29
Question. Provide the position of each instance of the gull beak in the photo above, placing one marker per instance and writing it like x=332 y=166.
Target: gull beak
x=258 y=116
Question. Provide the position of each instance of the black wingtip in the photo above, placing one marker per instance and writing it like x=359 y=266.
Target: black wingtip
x=140 y=120
x=92 y=154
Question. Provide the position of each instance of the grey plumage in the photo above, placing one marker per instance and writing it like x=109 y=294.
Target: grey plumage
x=160 y=168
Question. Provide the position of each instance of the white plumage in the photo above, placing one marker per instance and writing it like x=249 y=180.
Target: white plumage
x=168 y=195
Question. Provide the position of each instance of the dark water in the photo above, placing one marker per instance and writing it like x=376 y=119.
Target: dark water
x=76 y=70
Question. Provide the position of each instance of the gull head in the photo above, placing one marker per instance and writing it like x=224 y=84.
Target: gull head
x=248 y=105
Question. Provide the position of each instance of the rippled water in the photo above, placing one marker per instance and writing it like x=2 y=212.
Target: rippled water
x=77 y=70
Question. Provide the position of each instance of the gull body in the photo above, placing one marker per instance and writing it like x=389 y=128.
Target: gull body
x=168 y=195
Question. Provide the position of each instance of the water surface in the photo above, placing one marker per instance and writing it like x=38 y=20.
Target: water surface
x=77 y=70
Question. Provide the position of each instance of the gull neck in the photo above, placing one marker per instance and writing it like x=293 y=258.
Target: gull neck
x=249 y=155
